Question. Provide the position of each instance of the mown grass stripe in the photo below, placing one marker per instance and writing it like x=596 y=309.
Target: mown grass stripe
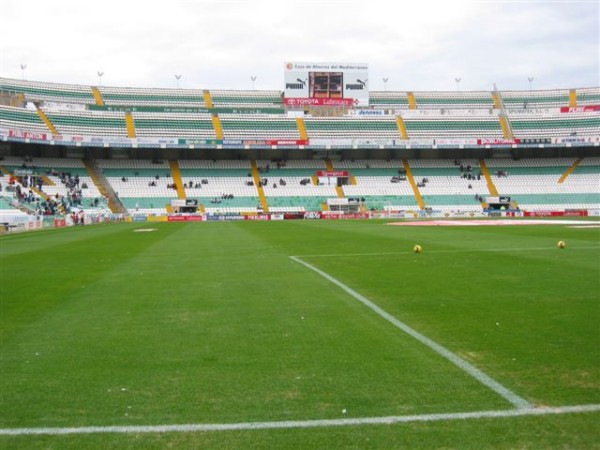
x=484 y=379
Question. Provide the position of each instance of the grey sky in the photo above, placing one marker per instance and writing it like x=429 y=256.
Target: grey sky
x=220 y=44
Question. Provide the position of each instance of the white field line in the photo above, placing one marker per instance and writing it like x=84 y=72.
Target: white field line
x=484 y=379
x=463 y=250
x=388 y=420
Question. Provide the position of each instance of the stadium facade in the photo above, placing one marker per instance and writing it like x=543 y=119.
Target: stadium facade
x=323 y=143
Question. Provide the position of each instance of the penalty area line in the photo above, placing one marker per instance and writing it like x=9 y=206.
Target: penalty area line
x=467 y=367
x=388 y=420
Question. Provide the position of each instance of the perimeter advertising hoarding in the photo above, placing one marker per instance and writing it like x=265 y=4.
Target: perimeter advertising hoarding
x=326 y=84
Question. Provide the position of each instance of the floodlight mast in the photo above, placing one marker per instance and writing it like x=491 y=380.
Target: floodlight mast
x=457 y=79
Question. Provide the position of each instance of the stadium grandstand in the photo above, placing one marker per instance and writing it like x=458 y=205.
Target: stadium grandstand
x=158 y=152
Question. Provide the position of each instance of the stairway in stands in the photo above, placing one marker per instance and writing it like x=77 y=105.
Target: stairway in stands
x=114 y=204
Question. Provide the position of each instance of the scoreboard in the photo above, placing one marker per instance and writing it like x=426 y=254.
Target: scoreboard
x=326 y=84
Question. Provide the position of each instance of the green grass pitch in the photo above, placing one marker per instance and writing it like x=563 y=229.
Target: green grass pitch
x=214 y=323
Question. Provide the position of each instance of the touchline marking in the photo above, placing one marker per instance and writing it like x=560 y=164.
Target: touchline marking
x=388 y=420
x=484 y=379
x=475 y=250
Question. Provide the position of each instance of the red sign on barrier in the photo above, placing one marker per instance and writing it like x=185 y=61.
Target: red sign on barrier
x=287 y=142
x=295 y=101
x=336 y=173
x=27 y=135
x=591 y=108
x=571 y=213
x=258 y=217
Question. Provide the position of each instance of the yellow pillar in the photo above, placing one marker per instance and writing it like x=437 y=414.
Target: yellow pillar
x=569 y=171
x=412 y=102
x=413 y=184
x=302 y=128
x=573 y=98
x=497 y=102
x=208 y=99
x=261 y=192
x=176 y=175
x=130 y=124
x=97 y=96
x=505 y=127
x=47 y=121
x=488 y=178
x=402 y=127
x=217 y=126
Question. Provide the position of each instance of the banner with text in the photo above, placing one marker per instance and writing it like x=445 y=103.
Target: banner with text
x=591 y=108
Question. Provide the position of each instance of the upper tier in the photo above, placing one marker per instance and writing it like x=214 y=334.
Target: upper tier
x=35 y=91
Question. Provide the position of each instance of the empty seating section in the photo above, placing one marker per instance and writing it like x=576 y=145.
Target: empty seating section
x=375 y=185
x=452 y=125
x=432 y=100
x=53 y=92
x=535 y=99
x=533 y=183
x=352 y=127
x=259 y=126
x=347 y=164
x=444 y=185
x=588 y=96
x=221 y=193
x=454 y=100
x=289 y=185
x=388 y=100
x=141 y=185
x=129 y=96
x=22 y=119
x=185 y=125
x=546 y=125
x=210 y=164
x=89 y=123
x=483 y=99
x=259 y=114
x=221 y=186
x=589 y=161
x=227 y=186
x=247 y=98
